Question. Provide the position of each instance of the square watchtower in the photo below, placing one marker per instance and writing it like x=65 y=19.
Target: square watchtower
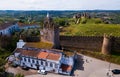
x=50 y=32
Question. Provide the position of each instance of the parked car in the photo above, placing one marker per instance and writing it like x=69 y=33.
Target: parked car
x=43 y=72
x=116 y=71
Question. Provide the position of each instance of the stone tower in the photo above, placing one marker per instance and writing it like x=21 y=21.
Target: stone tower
x=106 y=47
x=50 y=32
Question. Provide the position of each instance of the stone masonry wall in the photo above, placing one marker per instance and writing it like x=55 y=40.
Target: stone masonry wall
x=92 y=43
x=116 y=44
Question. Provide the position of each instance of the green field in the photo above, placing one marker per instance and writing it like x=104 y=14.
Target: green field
x=92 y=29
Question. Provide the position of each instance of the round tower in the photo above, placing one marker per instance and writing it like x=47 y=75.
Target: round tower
x=106 y=47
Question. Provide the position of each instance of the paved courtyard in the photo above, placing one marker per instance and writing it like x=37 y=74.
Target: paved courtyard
x=84 y=67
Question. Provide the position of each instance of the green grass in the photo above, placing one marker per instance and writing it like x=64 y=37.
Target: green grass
x=39 y=45
x=92 y=29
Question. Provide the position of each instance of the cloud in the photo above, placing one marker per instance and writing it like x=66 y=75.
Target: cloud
x=59 y=4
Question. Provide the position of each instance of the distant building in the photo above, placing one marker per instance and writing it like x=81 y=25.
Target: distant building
x=51 y=60
x=8 y=28
x=27 y=26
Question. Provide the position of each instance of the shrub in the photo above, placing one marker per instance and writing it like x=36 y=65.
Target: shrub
x=19 y=75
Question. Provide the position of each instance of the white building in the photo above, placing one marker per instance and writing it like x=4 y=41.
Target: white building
x=8 y=28
x=27 y=26
x=42 y=59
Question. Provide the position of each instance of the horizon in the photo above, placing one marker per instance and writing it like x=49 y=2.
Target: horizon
x=61 y=10
x=59 y=5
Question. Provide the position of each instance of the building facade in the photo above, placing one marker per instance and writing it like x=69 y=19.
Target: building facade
x=23 y=26
x=8 y=28
x=51 y=60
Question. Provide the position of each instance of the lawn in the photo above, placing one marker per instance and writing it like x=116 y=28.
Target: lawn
x=39 y=45
x=92 y=29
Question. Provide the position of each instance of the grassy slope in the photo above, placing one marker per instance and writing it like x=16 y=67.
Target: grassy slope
x=92 y=29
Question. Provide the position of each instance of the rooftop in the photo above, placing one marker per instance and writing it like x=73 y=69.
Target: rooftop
x=29 y=53
x=23 y=24
x=43 y=55
x=5 y=25
x=53 y=56
x=40 y=53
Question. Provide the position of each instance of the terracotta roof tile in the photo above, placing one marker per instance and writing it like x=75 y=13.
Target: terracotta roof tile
x=42 y=55
x=29 y=53
x=66 y=67
x=39 y=54
x=53 y=56
x=5 y=25
x=23 y=25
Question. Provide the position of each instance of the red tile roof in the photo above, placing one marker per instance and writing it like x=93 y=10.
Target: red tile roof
x=5 y=25
x=43 y=55
x=29 y=53
x=53 y=56
x=39 y=54
x=23 y=24
x=66 y=67
x=48 y=55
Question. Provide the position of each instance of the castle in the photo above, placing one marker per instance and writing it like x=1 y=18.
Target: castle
x=50 y=32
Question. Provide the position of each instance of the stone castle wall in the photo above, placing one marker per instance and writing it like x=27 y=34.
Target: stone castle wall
x=116 y=44
x=91 y=43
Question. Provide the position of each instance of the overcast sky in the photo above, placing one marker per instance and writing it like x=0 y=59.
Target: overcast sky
x=59 y=4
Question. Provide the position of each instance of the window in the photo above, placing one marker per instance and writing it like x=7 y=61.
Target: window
x=37 y=62
x=31 y=65
x=23 y=64
x=56 y=65
x=28 y=60
x=51 y=65
x=46 y=64
x=24 y=59
x=41 y=62
x=33 y=61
